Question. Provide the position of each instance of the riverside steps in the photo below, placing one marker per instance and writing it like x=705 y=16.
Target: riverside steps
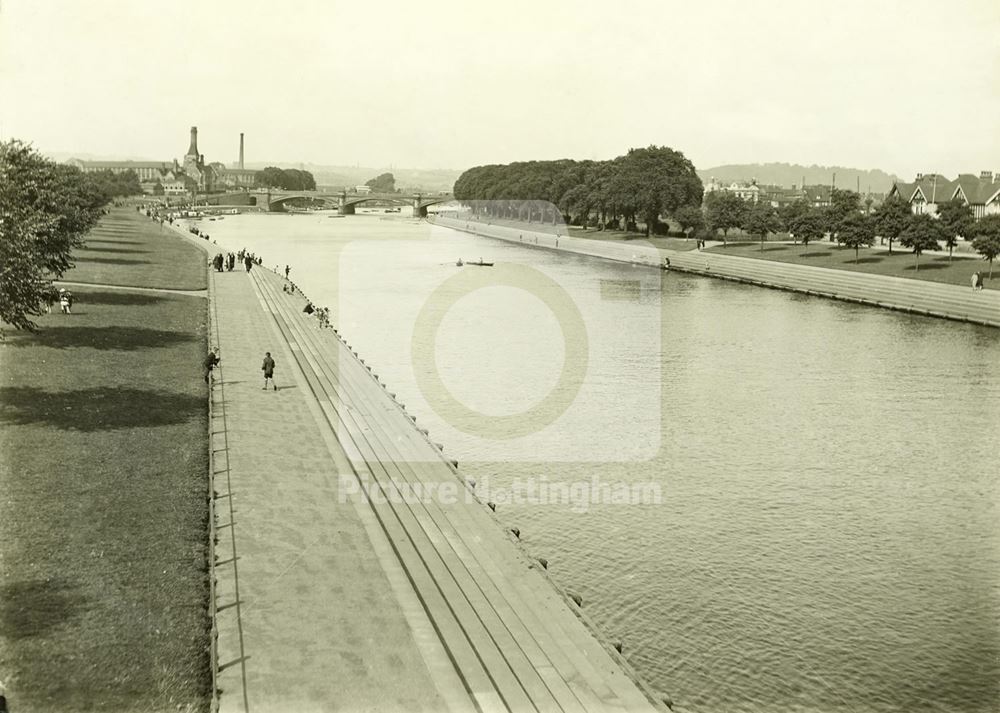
x=916 y=296
x=365 y=598
x=511 y=638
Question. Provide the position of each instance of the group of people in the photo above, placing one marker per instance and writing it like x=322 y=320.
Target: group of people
x=224 y=262
x=65 y=298
x=267 y=366
x=977 y=281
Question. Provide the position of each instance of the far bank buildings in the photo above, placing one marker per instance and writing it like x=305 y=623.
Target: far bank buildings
x=171 y=178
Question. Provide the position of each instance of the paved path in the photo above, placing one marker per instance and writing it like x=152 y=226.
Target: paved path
x=129 y=288
x=919 y=296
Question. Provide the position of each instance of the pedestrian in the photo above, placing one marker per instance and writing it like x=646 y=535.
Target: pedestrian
x=287 y=270
x=309 y=309
x=975 y=281
x=211 y=361
x=50 y=299
x=65 y=301
x=248 y=262
x=268 y=368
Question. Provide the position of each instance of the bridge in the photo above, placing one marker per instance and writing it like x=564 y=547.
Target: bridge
x=274 y=199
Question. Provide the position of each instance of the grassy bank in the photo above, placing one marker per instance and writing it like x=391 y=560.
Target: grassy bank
x=129 y=249
x=103 y=513
x=936 y=268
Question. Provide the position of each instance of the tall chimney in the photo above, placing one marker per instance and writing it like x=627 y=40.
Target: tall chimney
x=241 y=150
x=193 y=148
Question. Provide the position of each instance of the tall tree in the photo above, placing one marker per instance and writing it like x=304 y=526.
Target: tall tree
x=957 y=220
x=809 y=225
x=856 y=231
x=987 y=239
x=45 y=210
x=383 y=183
x=761 y=219
x=842 y=204
x=891 y=218
x=724 y=211
x=790 y=213
x=922 y=232
x=690 y=218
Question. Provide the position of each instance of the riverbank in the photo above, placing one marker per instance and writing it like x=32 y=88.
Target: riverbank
x=932 y=267
x=909 y=295
x=364 y=598
x=103 y=517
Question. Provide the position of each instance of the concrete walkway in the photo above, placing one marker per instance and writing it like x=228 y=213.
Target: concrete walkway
x=923 y=297
x=326 y=622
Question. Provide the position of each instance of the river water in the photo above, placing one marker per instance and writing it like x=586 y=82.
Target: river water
x=822 y=529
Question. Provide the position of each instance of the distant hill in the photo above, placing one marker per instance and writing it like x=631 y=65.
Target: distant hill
x=792 y=174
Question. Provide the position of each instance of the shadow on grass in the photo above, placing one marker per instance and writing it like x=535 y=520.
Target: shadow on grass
x=776 y=247
x=102 y=249
x=112 y=260
x=97 y=409
x=926 y=266
x=820 y=253
x=124 y=339
x=116 y=297
x=867 y=260
x=31 y=608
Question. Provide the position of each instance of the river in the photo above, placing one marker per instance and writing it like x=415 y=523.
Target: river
x=826 y=536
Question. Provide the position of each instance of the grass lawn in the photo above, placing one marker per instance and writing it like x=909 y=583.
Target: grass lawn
x=678 y=244
x=103 y=512
x=900 y=263
x=130 y=249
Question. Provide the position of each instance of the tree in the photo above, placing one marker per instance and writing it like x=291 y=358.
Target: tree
x=761 y=219
x=724 y=211
x=690 y=218
x=291 y=179
x=987 y=239
x=891 y=218
x=957 y=220
x=790 y=213
x=922 y=232
x=383 y=183
x=45 y=210
x=842 y=204
x=653 y=181
x=809 y=225
x=856 y=231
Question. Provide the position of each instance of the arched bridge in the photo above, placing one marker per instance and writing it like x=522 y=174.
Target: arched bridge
x=275 y=199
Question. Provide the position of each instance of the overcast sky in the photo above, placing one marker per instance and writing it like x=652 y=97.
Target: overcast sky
x=903 y=86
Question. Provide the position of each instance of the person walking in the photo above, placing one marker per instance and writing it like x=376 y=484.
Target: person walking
x=268 y=368
x=65 y=301
x=287 y=270
x=248 y=263
x=211 y=361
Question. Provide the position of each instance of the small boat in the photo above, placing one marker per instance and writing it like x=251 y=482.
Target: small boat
x=480 y=264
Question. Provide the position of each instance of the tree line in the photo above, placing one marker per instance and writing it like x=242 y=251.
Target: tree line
x=289 y=179
x=649 y=185
x=644 y=185
x=850 y=224
x=46 y=208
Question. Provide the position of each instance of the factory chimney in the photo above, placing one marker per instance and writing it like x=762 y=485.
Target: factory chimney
x=241 y=150
x=193 y=148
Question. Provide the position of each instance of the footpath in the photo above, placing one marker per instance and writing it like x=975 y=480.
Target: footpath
x=916 y=296
x=335 y=587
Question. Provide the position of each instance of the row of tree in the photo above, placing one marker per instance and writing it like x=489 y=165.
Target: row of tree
x=46 y=208
x=845 y=221
x=289 y=179
x=642 y=186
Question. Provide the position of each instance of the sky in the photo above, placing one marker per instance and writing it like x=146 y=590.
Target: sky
x=906 y=86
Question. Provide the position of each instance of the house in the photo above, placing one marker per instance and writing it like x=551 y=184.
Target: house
x=747 y=191
x=363 y=190
x=929 y=191
x=817 y=196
